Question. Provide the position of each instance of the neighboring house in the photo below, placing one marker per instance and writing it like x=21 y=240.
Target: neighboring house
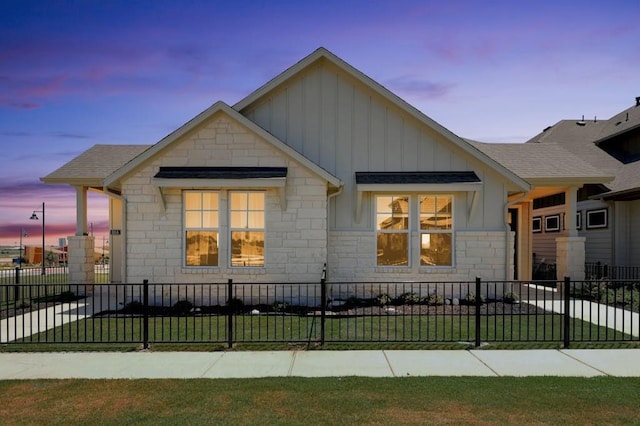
x=321 y=165
x=608 y=215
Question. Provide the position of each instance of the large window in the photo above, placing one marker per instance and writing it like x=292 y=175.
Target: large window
x=392 y=225
x=201 y=219
x=397 y=218
x=436 y=222
x=246 y=212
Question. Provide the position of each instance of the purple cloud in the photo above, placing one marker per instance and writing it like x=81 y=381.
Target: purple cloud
x=417 y=88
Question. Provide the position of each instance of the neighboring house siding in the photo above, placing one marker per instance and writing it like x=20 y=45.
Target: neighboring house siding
x=634 y=234
x=627 y=233
x=599 y=242
x=544 y=242
x=295 y=240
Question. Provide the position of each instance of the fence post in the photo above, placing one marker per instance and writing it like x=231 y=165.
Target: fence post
x=16 y=288
x=478 y=306
x=145 y=314
x=567 y=317
x=230 y=313
x=323 y=307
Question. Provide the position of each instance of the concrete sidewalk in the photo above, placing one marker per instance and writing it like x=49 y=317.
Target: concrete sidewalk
x=392 y=363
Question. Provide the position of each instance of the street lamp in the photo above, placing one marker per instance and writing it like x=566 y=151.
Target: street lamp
x=34 y=216
x=22 y=234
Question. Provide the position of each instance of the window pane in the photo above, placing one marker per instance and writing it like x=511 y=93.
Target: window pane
x=435 y=212
x=192 y=201
x=255 y=220
x=435 y=249
x=383 y=204
x=256 y=201
x=210 y=219
x=192 y=219
x=238 y=201
x=209 y=201
x=201 y=248
x=239 y=219
x=247 y=248
x=393 y=249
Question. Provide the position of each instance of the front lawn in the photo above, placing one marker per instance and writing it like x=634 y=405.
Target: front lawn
x=306 y=329
x=344 y=401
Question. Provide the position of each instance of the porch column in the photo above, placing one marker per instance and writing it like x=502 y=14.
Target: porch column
x=81 y=210
x=570 y=254
x=81 y=255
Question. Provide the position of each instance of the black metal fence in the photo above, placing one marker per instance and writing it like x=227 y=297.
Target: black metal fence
x=319 y=313
x=599 y=270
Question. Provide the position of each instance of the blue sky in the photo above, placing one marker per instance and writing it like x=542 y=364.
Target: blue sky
x=78 y=73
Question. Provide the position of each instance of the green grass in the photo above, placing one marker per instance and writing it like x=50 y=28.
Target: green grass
x=344 y=401
x=286 y=330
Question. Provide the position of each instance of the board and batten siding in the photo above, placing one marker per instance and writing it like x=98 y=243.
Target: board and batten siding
x=344 y=126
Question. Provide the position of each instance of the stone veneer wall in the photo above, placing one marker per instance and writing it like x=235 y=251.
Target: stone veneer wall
x=295 y=240
x=477 y=254
x=81 y=259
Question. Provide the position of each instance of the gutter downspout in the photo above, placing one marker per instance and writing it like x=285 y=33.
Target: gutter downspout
x=329 y=197
x=507 y=229
x=123 y=249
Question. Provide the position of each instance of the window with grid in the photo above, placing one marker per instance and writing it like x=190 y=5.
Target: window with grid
x=436 y=228
x=247 y=218
x=392 y=230
x=201 y=226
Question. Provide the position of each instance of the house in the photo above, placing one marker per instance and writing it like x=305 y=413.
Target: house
x=320 y=166
x=608 y=215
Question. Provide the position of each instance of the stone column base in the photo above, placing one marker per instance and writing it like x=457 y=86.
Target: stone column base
x=570 y=257
x=81 y=258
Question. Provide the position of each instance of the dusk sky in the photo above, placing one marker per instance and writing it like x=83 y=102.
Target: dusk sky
x=78 y=73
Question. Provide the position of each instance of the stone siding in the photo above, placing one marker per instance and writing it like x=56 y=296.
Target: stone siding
x=295 y=240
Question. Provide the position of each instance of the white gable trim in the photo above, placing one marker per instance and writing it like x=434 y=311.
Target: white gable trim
x=323 y=53
x=205 y=115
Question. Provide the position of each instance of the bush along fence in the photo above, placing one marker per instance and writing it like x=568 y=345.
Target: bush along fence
x=315 y=314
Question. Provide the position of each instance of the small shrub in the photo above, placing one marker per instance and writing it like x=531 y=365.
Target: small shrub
x=235 y=304
x=281 y=306
x=510 y=298
x=383 y=299
x=435 y=299
x=133 y=307
x=471 y=299
x=182 y=307
x=353 y=302
x=409 y=298
x=67 y=296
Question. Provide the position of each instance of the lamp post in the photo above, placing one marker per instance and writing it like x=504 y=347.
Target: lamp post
x=34 y=216
x=22 y=234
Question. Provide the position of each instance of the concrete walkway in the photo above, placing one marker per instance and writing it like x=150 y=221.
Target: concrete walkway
x=393 y=363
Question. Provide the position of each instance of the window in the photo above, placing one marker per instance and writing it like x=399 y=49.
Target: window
x=246 y=213
x=201 y=228
x=392 y=228
x=552 y=223
x=536 y=224
x=436 y=222
x=596 y=219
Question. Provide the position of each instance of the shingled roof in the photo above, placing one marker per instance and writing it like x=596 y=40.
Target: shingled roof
x=92 y=166
x=543 y=163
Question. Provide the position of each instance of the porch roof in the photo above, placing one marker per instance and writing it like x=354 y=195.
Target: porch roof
x=92 y=166
x=544 y=164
